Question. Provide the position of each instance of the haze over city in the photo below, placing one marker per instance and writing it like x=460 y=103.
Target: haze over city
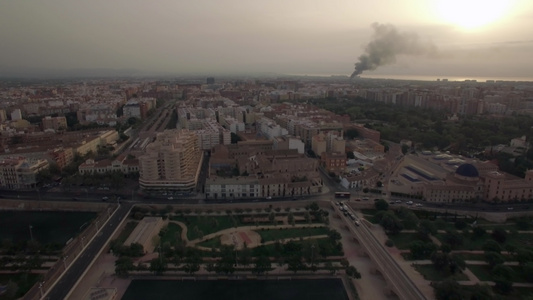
x=467 y=38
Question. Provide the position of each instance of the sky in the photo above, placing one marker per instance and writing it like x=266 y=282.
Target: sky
x=466 y=37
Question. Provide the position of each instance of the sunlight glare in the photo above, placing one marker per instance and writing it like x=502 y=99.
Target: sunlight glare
x=471 y=14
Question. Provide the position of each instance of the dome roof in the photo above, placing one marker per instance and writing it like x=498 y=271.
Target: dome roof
x=467 y=170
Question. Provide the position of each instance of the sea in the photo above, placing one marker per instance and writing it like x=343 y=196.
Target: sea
x=428 y=77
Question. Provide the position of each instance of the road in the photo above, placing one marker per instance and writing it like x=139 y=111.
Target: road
x=78 y=267
x=396 y=278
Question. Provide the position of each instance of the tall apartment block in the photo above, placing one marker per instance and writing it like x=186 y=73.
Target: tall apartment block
x=171 y=162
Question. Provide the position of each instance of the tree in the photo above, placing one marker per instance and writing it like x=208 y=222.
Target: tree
x=123 y=266
x=448 y=289
x=491 y=246
x=481 y=292
x=524 y=256
x=352 y=272
x=272 y=217
x=391 y=223
x=499 y=235
x=261 y=265
x=192 y=263
x=453 y=238
x=245 y=256
x=345 y=263
x=290 y=219
x=502 y=272
x=405 y=148
x=523 y=223
x=235 y=138
x=351 y=133
x=446 y=261
x=527 y=271
x=381 y=204
x=478 y=232
x=503 y=286
x=493 y=259
x=295 y=264
x=460 y=224
x=158 y=265
x=421 y=250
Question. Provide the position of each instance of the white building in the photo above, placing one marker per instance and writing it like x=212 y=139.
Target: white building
x=16 y=115
x=232 y=188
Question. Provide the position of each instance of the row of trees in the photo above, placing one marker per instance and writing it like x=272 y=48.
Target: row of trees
x=431 y=129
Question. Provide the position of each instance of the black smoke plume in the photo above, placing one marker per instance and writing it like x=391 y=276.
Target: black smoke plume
x=386 y=44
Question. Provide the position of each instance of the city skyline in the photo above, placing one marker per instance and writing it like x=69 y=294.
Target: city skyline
x=470 y=38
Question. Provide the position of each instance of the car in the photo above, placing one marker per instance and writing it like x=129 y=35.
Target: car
x=418 y=205
x=75 y=199
x=170 y=198
x=358 y=199
x=269 y=198
x=409 y=202
x=510 y=208
x=398 y=201
x=357 y=223
x=105 y=198
x=365 y=199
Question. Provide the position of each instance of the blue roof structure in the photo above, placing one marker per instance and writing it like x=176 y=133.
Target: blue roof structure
x=467 y=170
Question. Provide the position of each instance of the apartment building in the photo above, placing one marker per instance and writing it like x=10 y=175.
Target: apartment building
x=54 y=123
x=171 y=162
x=20 y=172
x=121 y=164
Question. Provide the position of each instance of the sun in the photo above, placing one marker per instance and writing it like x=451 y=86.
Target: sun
x=472 y=14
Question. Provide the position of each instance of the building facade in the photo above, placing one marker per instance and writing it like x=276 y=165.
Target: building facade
x=171 y=162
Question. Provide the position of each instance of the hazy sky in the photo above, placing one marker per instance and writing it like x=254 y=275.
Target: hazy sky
x=472 y=37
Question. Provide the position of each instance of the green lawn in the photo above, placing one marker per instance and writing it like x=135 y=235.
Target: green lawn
x=203 y=225
x=430 y=273
x=125 y=233
x=368 y=211
x=270 y=250
x=171 y=233
x=471 y=256
x=403 y=240
x=211 y=243
x=519 y=240
x=55 y=227
x=285 y=233
x=483 y=273
x=468 y=244
x=24 y=282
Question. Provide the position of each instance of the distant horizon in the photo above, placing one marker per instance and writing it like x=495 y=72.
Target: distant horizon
x=133 y=73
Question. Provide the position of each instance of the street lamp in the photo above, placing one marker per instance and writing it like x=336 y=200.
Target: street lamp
x=65 y=261
x=82 y=242
x=312 y=254
x=31 y=233
x=41 y=288
x=97 y=228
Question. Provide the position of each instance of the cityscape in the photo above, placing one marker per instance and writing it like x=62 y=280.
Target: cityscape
x=247 y=150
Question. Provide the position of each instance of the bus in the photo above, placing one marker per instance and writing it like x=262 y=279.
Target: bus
x=342 y=195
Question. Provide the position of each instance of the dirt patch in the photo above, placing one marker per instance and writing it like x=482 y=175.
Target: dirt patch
x=239 y=237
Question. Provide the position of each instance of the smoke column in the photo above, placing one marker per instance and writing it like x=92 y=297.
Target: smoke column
x=386 y=44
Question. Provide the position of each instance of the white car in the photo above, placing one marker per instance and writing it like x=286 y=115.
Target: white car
x=170 y=198
x=269 y=198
